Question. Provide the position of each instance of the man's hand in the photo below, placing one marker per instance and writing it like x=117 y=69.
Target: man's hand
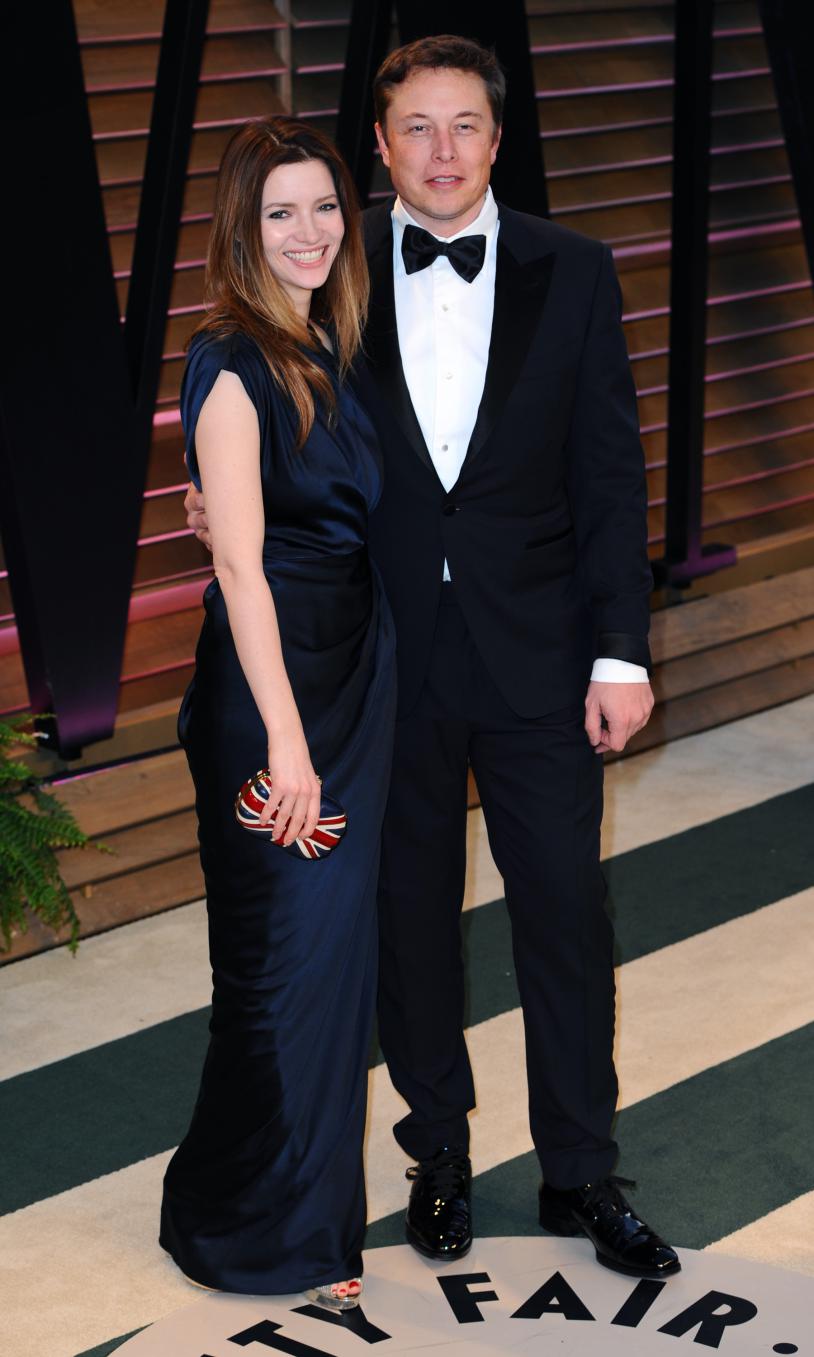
x=626 y=708
x=196 y=517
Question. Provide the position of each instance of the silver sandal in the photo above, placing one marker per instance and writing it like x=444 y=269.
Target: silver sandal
x=337 y=1295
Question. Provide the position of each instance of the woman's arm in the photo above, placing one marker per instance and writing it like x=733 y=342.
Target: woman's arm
x=227 y=441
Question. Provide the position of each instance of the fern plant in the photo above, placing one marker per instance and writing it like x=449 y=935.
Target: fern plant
x=33 y=824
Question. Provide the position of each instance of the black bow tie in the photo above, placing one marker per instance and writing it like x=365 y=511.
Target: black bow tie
x=466 y=255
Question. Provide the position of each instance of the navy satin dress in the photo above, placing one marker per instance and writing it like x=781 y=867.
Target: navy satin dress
x=265 y=1195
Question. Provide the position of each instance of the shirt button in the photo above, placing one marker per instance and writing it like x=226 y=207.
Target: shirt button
x=445 y=447
x=444 y=306
x=448 y=376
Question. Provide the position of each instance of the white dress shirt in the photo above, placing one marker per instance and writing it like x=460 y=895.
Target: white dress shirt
x=444 y=329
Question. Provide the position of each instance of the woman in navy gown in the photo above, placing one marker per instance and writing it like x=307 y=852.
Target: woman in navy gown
x=294 y=671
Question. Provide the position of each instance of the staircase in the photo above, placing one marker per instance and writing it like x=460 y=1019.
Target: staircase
x=604 y=81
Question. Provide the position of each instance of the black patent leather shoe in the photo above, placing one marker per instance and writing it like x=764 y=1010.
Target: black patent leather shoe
x=439 y=1214
x=600 y=1211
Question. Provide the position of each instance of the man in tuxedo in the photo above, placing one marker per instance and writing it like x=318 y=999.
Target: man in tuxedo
x=511 y=536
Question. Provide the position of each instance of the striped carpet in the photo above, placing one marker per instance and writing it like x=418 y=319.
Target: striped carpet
x=708 y=849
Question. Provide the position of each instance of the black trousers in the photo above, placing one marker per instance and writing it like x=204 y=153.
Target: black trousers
x=540 y=785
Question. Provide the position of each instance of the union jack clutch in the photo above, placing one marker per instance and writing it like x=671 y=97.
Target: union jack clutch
x=330 y=827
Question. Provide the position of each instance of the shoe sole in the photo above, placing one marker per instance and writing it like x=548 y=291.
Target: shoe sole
x=441 y=1256
x=564 y=1226
x=657 y=1274
x=567 y=1228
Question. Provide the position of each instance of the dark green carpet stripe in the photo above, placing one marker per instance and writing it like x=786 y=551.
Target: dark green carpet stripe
x=712 y=1154
x=669 y=890
x=104 y=1349
x=102 y=1109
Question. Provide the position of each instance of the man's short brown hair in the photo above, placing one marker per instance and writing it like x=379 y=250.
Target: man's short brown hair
x=438 y=53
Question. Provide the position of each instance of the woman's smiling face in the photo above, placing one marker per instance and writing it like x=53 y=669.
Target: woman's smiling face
x=301 y=227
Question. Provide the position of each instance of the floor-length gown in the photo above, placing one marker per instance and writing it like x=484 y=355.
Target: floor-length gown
x=265 y=1194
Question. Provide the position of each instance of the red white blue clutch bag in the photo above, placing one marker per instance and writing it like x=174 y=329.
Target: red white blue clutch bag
x=331 y=825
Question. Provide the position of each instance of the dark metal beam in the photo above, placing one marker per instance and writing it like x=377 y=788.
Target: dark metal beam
x=67 y=457
x=162 y=194
x=685 y=557
x=787 y=30
x=77 y=390
x=368 y=36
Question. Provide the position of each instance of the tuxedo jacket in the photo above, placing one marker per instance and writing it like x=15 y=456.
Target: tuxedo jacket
x=545 y=530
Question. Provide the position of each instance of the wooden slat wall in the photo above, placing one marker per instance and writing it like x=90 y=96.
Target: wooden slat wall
x=604 y=81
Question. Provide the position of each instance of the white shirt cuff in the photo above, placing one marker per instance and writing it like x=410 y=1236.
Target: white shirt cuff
x=618 y=671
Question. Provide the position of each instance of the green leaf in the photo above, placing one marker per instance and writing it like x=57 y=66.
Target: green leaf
x=34 y=823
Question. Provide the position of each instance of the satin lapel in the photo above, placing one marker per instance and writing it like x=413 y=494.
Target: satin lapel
x=520 y=295
x=381 y=346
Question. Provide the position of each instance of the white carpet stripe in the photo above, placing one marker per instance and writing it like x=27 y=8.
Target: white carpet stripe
x=715 y=995
x=783 y=1238
x=54 y=1005
x=85 y=1265
x=688 y=782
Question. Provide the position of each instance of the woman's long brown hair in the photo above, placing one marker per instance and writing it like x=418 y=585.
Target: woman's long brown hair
x=241 y=292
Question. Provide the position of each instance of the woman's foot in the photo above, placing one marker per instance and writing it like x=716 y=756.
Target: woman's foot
x=337 y=1295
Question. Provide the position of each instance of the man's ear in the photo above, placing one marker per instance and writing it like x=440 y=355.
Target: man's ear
x=382 y=143
x=496 y=141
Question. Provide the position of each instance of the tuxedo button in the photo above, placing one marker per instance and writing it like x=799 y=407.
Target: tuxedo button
x=449 y=509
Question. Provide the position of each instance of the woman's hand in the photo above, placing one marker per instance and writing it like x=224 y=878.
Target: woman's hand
x=196 y=516
x=295 y=790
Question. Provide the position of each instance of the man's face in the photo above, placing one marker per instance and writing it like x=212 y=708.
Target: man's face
x=439 y=144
